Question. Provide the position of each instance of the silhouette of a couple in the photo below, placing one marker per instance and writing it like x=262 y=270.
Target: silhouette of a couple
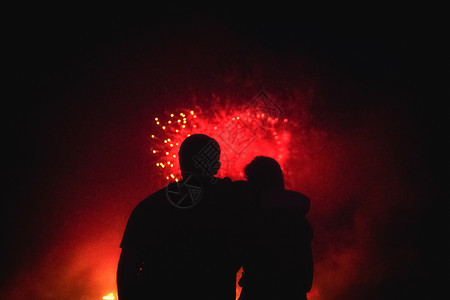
x=188 y=240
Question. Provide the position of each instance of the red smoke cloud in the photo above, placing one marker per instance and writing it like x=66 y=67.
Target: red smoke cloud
x=360 y=162
x=243 y=132
x=352 y=177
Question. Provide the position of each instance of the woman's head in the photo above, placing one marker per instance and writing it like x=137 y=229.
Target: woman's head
x=264 y=174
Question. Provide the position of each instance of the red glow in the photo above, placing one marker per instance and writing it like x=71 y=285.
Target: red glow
x=242 y=132
x=349 y=203
x=86 y=146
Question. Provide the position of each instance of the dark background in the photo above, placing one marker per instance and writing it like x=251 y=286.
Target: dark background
x=50 y=53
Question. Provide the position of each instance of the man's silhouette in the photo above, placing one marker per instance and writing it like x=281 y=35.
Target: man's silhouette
x=277 y=258
x=178 y=243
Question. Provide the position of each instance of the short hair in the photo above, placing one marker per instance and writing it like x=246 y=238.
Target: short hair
x=264 y=173
x=192 y=147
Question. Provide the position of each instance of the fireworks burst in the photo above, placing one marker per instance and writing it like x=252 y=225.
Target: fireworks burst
x=242 y=132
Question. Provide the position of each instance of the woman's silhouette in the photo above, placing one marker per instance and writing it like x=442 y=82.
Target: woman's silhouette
x=277 y=258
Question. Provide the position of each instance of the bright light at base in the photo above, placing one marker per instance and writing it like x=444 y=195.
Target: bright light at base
x=110 y=296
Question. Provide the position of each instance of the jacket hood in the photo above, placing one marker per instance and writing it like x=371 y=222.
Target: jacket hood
x=287 y=200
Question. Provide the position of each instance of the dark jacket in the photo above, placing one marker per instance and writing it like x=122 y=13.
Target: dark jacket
x=176 y=253
x=278 y=260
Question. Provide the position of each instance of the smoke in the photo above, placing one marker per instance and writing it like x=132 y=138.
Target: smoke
x=367 y=201
x=353 y=150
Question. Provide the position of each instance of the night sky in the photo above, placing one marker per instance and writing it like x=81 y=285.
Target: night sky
x=86 y=87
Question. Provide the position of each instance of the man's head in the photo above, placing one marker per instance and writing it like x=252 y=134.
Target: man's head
x=199 y=154
x=264 y=174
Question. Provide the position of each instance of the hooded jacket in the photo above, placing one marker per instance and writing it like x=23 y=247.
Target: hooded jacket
x=278 y=260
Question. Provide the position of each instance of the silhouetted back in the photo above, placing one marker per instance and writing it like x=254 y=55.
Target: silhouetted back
x=188 y=253
x=178 y=243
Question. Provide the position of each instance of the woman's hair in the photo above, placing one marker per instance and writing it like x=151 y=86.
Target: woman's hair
x=264 y=173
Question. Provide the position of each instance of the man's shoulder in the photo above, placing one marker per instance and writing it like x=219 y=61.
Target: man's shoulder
x=232 y=186
x=229 y=183
x=240 y=184
x=236 y=193
x=145 y=219
x=154 y=200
